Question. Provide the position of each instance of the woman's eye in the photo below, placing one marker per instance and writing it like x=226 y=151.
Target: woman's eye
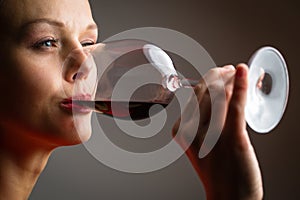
x=89 y=43
x=49 y=43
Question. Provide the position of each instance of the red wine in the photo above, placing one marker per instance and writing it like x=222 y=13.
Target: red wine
x=122 y=109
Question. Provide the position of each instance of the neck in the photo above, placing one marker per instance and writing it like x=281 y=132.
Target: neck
x=21 y=162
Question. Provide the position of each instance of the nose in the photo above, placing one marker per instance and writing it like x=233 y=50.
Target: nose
x=78 y=64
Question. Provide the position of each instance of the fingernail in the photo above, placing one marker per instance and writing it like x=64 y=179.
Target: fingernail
x=229 y=68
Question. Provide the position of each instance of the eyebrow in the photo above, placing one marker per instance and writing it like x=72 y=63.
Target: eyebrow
x=54 y=23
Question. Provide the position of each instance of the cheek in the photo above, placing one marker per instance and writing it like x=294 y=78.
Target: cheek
x=33 y=91
x=37 y=80
x=29 y=85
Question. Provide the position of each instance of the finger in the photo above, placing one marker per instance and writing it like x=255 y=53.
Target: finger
x=202 y=104
x=211 y=84
x=203 y=91
x=219 y=90
x=236 y=116
x=211 y=94
x=218 y=87
x=228 y=75
x=213 y=106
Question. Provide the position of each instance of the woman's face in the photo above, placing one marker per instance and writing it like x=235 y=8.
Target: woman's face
x=37 y=36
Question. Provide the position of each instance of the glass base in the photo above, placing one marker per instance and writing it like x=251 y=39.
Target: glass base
x=268 y=90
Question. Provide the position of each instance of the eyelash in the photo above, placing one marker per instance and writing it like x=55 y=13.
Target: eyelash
x=88 y=43
x=43 y=44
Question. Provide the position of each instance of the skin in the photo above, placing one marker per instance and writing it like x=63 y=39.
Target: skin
x=230 y=170
x=33 y=122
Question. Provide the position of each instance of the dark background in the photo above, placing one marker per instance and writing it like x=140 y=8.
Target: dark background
x=230 y=31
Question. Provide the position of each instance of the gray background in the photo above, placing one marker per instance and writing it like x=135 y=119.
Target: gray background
x=230 y=31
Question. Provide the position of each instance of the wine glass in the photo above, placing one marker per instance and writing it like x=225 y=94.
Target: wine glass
x=134 y=75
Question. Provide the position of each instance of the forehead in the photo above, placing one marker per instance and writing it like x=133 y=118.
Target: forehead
x=69 y=12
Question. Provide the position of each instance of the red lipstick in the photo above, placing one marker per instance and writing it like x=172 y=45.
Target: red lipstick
x=70 y=105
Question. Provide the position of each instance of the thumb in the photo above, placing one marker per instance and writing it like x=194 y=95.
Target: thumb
x=236 y=111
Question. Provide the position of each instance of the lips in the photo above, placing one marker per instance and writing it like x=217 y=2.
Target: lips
x=70 y=105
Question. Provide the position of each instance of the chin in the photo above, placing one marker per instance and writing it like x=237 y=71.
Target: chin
x=72 y=138
x=73 y=132
x=83 y=129
x=84 y=137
